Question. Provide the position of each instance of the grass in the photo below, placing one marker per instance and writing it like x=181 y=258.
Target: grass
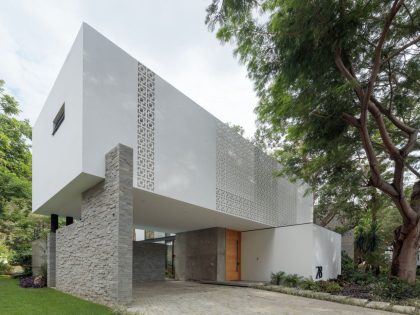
x=15 y=300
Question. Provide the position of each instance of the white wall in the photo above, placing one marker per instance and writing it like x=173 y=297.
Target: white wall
x=286 y=249
x=294 y=249
x=57 y=159
x=327 y=252
x=185 y=148
x=109 y=100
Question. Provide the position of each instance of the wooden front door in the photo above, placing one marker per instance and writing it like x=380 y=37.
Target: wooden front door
x=233 y=255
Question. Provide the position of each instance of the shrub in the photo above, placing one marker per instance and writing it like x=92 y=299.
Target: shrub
x=277 y=278
x=33 y=282
x=396 y=289
x=292 y=280
x=4 y=267
x=308 y=284
x=331 y=287
x=347 y=266
x=24 y=259
x=363 y=278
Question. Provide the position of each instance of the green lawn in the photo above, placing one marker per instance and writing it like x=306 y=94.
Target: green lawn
x=15 y=300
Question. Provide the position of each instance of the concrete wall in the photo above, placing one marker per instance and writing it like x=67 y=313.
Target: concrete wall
x=95 y=254
x=148 y=262
x=285 y=249
x=51 y=260
x=109 y=99
x=39 y=256
x=57 y=159
x=347 y=243
x=294 y=249
x=326 y=249
x=200 y=255
x=185 y=148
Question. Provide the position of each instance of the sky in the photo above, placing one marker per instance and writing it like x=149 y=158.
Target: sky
x=169 y=37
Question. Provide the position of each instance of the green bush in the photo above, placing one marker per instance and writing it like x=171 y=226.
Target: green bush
x=277 y=278
x=308 y=284
x=24 y=259
x=328 y=287
x=395 y=289
x=363 y=278
x=347 y=266
x=292 y=280
x=4 y=267
x=333 y=288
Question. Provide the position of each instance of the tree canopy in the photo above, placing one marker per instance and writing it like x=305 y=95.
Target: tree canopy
x=339 y=85
x=15 y=156
x=18 y=227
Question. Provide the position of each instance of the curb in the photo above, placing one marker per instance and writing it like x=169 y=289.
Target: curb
x=383 y=306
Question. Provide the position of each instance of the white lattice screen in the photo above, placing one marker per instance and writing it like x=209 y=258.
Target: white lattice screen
x=145 y=128
x=246 y=185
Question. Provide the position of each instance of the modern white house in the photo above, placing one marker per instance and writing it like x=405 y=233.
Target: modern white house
x=116 y=147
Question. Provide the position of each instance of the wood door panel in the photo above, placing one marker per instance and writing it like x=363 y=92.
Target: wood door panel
x=233 y=255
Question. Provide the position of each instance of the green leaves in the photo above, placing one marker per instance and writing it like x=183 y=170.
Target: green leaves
x=18 y=227
x=8 y=104
x=289 y=49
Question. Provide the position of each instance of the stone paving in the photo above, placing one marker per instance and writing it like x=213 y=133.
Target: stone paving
x=179 y=297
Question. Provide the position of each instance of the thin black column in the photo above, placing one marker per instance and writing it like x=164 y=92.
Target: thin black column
x=69 y=220
x=54 y=223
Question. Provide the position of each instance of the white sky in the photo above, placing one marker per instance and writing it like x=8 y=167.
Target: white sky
x=169 y=37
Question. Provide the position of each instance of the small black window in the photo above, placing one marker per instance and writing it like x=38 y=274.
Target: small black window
x=59 y=118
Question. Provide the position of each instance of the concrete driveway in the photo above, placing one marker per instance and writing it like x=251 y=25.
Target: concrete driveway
x=179 y=297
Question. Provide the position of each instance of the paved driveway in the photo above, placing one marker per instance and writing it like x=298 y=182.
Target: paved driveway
x=178 y=297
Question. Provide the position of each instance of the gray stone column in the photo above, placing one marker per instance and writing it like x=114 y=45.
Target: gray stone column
x=122 y=159
x=51 y=260
x=95 y=254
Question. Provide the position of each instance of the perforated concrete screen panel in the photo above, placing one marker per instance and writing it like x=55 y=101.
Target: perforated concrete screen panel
x=246 y=183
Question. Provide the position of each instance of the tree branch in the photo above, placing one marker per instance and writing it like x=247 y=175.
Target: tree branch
x=377 y=59
x=353 y=121
x=413 y=170
x=401 y=49
x=398 y=123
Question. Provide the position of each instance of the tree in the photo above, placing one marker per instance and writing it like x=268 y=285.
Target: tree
x=339 y=78
x=15 y=156
x=18 y=226
x=237 y=128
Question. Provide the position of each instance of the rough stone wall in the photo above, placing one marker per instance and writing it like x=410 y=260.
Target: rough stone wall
x=94 y=255
x=51 y=260
x=39 y=256
x=148 y=262
x=200 y=255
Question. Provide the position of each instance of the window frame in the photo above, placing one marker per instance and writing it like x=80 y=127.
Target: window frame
x=58 y=119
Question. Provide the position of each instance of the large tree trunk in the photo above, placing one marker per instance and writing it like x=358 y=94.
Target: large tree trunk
x=406 y=244
x=405 y=254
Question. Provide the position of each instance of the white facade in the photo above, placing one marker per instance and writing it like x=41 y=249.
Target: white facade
x=190 y=170
x=293 y=249
x=181 y=151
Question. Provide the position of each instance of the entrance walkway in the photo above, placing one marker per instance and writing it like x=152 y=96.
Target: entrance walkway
x=190 y=298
